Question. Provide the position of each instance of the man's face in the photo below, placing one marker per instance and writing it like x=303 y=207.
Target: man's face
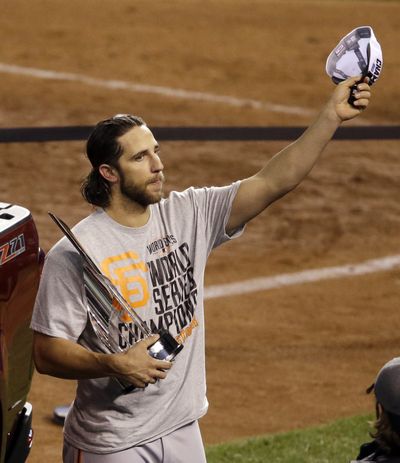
x=140 y=168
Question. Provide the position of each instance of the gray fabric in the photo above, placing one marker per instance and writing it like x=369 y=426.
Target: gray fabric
x=181 y=446
x=159 y=268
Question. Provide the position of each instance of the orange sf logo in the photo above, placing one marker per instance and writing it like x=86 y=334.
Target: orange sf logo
x=126 y=271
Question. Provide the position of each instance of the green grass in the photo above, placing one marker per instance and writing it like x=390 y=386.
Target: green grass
x=332 y=443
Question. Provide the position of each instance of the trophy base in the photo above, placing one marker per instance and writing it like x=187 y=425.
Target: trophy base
x=166 y=347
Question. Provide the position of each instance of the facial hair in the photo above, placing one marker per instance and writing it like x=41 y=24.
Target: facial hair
x=139 y=193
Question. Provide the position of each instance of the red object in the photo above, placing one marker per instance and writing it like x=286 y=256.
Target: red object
x=21 y=261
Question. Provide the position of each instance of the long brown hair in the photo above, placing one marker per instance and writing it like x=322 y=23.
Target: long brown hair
x=387 y=430
x=103 y=147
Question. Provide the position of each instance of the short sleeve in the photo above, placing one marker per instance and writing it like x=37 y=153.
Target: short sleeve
x=60 y=306
x=215 y=205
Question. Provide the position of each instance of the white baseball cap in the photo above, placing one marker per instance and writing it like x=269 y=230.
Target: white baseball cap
x=358 y=53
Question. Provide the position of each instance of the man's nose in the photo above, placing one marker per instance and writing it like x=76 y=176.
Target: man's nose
x=157 y=164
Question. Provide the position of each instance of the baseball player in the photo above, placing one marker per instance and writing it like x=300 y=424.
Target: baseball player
x=154 y=250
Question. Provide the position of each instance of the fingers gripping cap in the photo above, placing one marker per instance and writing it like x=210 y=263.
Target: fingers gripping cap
x=387 y=386
x=357 y=53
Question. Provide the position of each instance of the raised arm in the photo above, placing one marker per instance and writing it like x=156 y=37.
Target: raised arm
x=66 y=359
x=291 y=165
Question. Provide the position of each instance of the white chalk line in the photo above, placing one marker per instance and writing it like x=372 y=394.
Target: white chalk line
x=154 y=89
x=306 y=276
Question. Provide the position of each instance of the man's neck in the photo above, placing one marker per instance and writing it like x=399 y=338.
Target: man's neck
x=129 y=214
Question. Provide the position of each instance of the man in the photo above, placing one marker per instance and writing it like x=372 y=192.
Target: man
x=385 y=448
x=154 y=250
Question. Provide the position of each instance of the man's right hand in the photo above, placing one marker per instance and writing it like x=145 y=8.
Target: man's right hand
x=138 y=367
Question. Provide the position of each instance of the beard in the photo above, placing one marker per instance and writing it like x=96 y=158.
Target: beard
x=139 y=193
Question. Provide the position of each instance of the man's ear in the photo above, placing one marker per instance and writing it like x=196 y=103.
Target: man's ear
x=109 y=173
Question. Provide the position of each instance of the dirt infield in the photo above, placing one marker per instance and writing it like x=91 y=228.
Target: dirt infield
x=293 y=356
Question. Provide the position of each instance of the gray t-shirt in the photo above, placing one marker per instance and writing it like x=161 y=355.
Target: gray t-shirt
x=159 y=269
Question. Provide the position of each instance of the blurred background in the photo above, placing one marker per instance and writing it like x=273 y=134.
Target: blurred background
x=292 y=356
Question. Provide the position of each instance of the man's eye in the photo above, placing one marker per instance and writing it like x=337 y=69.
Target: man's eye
x=139 y=157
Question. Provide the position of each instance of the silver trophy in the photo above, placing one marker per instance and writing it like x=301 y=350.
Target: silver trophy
x=105 y=305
